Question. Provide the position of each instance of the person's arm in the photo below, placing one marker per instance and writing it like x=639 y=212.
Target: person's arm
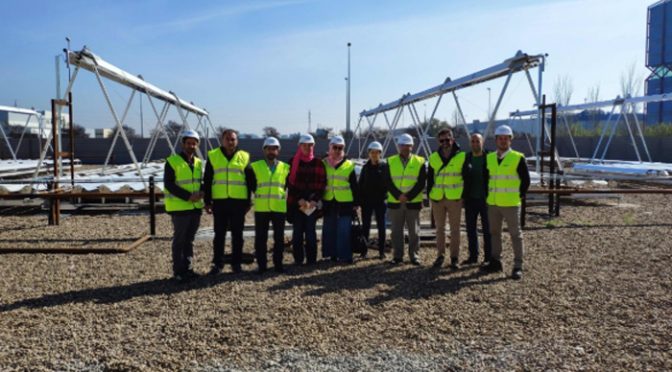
x=391 y=188
x=354 y=187
x=466 y=184
x=170 y=184
x=420 y=185
x=207 y=183
x=320 y=182
x=430 y=180
x=250 y=181
x=524 y=175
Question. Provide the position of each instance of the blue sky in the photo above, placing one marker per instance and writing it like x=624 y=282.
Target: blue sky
x=266 y=63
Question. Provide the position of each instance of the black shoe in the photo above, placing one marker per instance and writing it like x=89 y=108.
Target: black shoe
x=485 y=263
x=363 y=255
x=381 y=256
x=415 y=262
x=236 y=269
x=278 y=269
x=517 y=274
x=470 y=261
x=261 y=271
x=396 y=261
x=453 y=263
x=439 y=261
x=215 y=270
x=191 y=274
x=180 y=278
x=493 y=267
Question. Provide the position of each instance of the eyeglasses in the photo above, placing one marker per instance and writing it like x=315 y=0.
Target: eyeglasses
x=445 y=140
x=338 y=148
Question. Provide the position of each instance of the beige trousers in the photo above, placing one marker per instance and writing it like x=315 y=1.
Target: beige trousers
x=496 y=217
x=453 y=208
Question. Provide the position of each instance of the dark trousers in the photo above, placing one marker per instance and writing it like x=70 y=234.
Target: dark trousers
x=367 y=214
x=261 y=222
x=336 y=231
x=185 y=226
x=303 y=227
x=229 y=215
x=472 y=209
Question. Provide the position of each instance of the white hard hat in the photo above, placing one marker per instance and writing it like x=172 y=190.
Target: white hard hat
x=271 y=141
x=405 y=139
x=375 y=145
x=337 y=140
x=188 y=133
x=306 y=138
x=503 y=130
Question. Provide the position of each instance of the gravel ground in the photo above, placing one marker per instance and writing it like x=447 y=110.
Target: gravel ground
x=596 y=295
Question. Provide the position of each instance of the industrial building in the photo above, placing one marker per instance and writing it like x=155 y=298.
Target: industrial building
x=659 y=61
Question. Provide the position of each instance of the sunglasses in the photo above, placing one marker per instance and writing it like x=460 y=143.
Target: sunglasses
x=338 y=148
x=445 y=140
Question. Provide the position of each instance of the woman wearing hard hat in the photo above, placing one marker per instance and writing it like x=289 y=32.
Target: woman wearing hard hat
x=373 y=192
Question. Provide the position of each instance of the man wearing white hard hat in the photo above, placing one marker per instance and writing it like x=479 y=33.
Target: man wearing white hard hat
x=268 y=184
x=184 y=203
x=340 y=199
x=373 y=191
x=508 y=180
x=227 y=197
x=306 y=184
x=405 y=181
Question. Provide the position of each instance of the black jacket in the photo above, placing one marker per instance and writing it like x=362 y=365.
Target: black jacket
x=209 y=174
x=172 y=187
x=523 y=173
x=372 y=188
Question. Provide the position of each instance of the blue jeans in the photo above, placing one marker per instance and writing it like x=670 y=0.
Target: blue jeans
x=336 y=231
x=367 y=213
x=304 y=227
x=472 y=209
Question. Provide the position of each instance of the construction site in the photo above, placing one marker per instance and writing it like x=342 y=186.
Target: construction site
x=85 y=239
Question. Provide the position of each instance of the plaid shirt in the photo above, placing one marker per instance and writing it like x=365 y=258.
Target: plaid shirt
x=311 y=180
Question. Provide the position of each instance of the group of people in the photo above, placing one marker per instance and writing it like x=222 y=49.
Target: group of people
x=489 y=185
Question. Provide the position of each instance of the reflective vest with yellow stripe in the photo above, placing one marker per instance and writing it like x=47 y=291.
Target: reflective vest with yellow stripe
x=270 y=194
x=186 y=179
x=448 y=182
x=338 y=182
x=405 y=178
x=228 y=179
x=504 y=182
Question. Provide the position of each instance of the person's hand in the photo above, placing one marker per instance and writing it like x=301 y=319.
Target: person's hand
x=208 y=209
x=195 y=196
x=302 y=203
x=403 y=198
x=313 y=204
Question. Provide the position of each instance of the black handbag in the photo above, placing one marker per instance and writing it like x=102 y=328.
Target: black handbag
x=358 y=240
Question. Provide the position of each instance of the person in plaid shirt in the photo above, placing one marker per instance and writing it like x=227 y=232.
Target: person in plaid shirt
x=306 y=184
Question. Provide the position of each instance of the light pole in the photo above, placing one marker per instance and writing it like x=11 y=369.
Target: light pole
x=347 y=97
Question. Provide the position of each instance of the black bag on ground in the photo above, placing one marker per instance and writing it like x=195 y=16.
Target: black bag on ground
x=358 y=240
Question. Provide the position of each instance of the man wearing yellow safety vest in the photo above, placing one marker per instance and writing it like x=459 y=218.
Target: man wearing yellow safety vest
x=445 y=188
x=269 y=183
x=339 y=200
x=227 y=197
x=508 y=180
x=184 y=204
x=405 y=181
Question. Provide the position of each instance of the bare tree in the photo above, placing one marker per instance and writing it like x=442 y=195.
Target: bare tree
x=563 y=90
x=631 y=83
x=593 y=93
x=270 y=132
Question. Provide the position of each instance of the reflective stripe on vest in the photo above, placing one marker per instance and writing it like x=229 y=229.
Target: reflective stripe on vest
x=338 y=182
x=228 y=179
x=186 y=179
x=504 y=182
x=448 y=182
x=270 y=193
x=405 y=177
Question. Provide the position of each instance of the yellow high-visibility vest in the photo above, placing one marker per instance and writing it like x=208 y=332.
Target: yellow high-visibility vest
x=270 y=195
x=338 y=185
x=405 y=178
x=504 y=182
x=186 y=179
x=448 y=182
x=228 y=180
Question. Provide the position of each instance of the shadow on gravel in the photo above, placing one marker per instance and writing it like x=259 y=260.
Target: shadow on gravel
x=601 y=226
x=408 y=283
x=109 y=295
